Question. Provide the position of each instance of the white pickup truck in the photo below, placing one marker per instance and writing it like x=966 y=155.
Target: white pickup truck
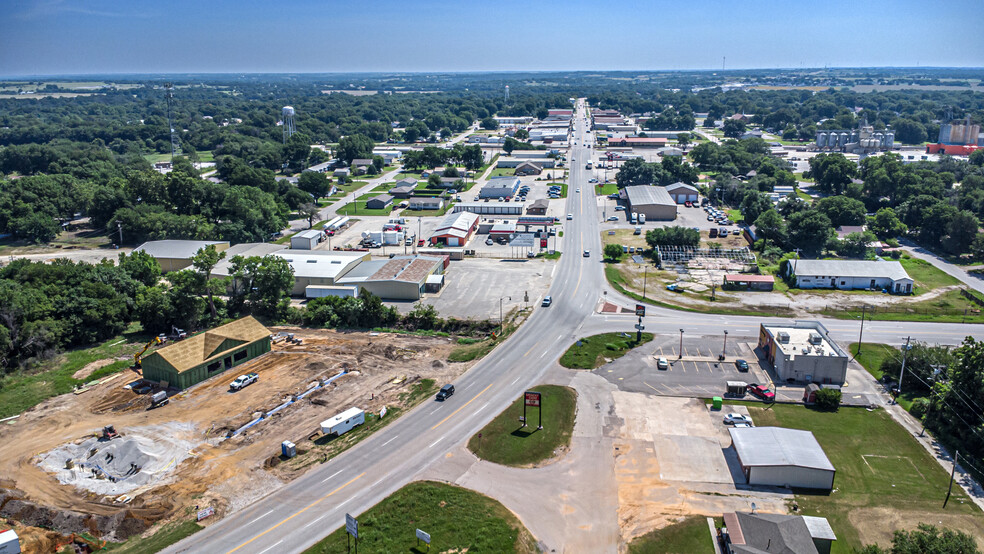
x=243 y=381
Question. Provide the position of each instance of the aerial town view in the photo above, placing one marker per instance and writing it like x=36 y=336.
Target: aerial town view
x=325 y=277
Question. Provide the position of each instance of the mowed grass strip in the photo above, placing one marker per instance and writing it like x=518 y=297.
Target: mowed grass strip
x=505 y=441
x=166 y=536
x=594 y=350
x=457 y=519
x=872 y=355
x=881 y=470
x=690 y=536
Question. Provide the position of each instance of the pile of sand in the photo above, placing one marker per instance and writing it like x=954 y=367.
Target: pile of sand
x=141 y=456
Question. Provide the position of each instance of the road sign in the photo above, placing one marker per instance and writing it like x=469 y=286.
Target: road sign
x=640 y=326
x=533 y=399
x=423 y=536
x=641 y=310
x=352 y=526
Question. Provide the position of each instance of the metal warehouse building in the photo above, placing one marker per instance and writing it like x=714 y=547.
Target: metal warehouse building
x=311 y=267
x=197 y=358
x=652 y=201
x=175 y=255
x=780 y=457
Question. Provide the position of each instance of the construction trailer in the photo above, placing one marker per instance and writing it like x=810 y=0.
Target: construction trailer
x=343 y=422
x=207 y=354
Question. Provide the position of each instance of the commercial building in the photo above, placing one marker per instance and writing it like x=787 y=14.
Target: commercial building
x=204 y=355
x=682 y=192
x=654 y=202
x=637 y=142
x=528 y=168
x=758 y=533
x=516 y=162
x=456 y=229
x=311 y=267
x=306 y=240
x=804 y=352
x=779 y=457
x=500 y=187
x=398 y=278
x=538 y=207
x=850 y=275
x=489 y=208
x=749 y=281
x=175 y=255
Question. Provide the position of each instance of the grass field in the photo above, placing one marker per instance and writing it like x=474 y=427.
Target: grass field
x=504 y=440
x=690 y=536
x=350 y=186
x=203 y=156
x=166 y=536
x=21 y=391
x=926 y=275
x=359 y=208
x=735 y=215
x=594 y=350
x=606 y=189
x=884 y=477
x=872 y=355
x=457 y=519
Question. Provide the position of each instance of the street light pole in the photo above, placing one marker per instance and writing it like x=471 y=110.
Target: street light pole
x=861 y=333
x=905 y=353
x=724 y=350
x=681 y=345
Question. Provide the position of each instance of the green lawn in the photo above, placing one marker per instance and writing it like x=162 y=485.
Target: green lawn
x=503 y=172
x=872 y=355
x=350 y=186
x=505 y=441
x=735 y=215
x=690 y=536
x=166 y=536
x=881 y=469
x=606 y=189
x=926 y=275
x=21 y=391
x=457 y=519
x=359 y=208
x=203 y=156
x=427 y=213
x=593 y=351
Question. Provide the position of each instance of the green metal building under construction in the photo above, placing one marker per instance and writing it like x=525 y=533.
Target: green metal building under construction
x=207 y=354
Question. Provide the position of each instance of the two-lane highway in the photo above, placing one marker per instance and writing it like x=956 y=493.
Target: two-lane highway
x=308 y=508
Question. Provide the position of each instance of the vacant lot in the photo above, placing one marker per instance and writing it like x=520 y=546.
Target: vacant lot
x=505 y=441
x=457 y=519
x=885 y=479
x=690 y=536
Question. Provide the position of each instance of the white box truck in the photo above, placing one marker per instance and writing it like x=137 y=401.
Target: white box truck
x=635 y=218
x=343 y=422
x=642 y=218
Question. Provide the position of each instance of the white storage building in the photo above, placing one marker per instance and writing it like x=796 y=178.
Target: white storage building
x=779 y=457
x=654 y=202
x=851 y=275
x=305 y=240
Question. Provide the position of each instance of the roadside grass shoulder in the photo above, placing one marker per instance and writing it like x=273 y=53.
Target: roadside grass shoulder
x=606 y=189
x=926 y=275
x=505 y=441
x=478 y=350
x=23 y=390
x=871 y=356
x=457 y=519
x=167 y=535
x=690 y=536
x=881 y=469
x=593 y=351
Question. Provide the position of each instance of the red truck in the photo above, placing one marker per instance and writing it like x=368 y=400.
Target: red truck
x=762 y=392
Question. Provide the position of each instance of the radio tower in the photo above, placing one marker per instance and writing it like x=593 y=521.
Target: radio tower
x=288 y=122
x=507 y=93
x=169 y=98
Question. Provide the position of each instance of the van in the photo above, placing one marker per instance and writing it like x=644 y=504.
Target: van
x=635 y=218
x=638 y=231
x=713 y=233
x=642 y=218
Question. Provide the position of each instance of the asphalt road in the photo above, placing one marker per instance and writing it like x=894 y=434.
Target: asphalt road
x=310 y=507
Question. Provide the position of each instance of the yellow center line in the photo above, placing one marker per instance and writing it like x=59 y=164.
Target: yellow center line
x=530 y=350
x=461 y=408
x=306 y=508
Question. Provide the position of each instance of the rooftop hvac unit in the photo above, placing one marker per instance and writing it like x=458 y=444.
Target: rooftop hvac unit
x=806 y=349
x=815 y=338
x=782 y=337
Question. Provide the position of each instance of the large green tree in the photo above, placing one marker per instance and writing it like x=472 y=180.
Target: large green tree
x=357 y=146
x=810 y=232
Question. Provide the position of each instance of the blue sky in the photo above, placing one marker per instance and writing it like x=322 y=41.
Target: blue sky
x=43 y=37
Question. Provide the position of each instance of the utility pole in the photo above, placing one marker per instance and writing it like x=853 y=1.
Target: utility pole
x=861 y=333
x=724 y=349
x=119 y=227
x=681 y=345
x=956 y=456
x=905 y=353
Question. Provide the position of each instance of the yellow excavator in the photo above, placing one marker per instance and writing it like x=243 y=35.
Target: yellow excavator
x=138 y=355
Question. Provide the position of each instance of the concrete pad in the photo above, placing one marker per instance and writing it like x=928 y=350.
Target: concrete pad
x=692 y=459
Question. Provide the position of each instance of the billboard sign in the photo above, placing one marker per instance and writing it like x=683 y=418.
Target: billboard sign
x=533 y=399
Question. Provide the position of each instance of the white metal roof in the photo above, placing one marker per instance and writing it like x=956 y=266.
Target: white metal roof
x=180 y=249
x=641 y=195
x=849 y=268
x=778 y=446
x=309 y=234
x=335 y=420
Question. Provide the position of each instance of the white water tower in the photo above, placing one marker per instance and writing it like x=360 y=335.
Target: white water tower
x=288 y=114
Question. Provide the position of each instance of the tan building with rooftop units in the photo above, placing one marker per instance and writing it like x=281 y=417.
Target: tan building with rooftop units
x=803 y=352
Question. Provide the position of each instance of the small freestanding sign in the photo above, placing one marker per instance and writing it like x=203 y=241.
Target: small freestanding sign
x=352 y=529
x=422 y=536
x=533 y=399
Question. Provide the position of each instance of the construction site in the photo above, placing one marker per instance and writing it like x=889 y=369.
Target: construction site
x=111 y=463
x=705 y=266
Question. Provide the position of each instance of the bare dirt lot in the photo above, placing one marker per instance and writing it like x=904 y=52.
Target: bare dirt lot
x=226 y=473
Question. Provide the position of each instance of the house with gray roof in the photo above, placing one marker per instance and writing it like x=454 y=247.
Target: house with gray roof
x=757 y=533
x=850 y=275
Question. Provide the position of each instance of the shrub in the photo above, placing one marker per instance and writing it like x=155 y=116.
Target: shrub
x=828 y=399
x=920 y=407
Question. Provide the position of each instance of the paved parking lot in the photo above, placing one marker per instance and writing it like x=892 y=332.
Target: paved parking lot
x=696 y=374
x=471 y=294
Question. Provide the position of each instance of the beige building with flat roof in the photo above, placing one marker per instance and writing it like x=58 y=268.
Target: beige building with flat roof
x=803 y=352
